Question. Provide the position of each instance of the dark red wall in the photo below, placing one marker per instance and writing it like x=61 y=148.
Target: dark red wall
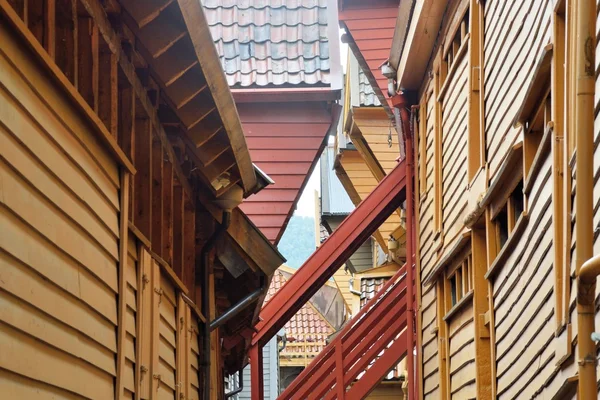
x=285 y=140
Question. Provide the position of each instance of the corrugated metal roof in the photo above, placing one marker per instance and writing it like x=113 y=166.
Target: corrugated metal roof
x=334 y=199
x=271 y=42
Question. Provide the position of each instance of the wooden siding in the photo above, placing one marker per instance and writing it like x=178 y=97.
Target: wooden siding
x=376 y=129
x=364 y=182
x=363 y=258
x=522 y=295
x=522 y=290
x=387 y=391
x=58 y=272
x=428 y=246
x=454 y=156
x=461 y=353
x=515 y=34
x=285 y=141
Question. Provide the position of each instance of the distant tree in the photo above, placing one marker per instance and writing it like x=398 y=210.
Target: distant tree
x=298 y=240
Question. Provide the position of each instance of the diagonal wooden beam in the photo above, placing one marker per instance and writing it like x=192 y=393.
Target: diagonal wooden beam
x=336 y=250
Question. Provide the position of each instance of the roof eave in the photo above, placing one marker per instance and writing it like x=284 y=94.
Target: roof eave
x=420 y=41
x=199 y=31
x=405 y=12
x=285 y=94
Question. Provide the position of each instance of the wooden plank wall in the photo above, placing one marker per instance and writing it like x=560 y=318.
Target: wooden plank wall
x=364 y=182
x=454 y=156
x=428 y=246
x=515 y=33
x=60 y=200
x=461 y=352
x=59 y=195
x=522 y=295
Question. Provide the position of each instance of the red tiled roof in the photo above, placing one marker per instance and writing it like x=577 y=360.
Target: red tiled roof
x=307 y=325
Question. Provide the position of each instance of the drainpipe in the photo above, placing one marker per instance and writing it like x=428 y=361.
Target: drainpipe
x=584 y=116
x=204 y=260
x=402 y=105
x=238 y=307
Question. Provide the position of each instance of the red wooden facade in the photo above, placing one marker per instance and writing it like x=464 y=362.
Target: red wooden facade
x=285 y=139
x=370 y=26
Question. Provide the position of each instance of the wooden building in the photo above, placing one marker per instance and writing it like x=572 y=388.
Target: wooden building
x=281 y=60
x=127 y=269
x=502 y=104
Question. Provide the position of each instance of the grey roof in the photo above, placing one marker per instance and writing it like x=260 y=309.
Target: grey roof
x=334 y=199
x=271 y=42
x=367 y=96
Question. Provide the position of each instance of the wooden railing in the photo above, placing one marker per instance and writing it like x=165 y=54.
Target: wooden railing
x=362 y=353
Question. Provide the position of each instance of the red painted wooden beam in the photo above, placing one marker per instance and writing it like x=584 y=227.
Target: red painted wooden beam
x=358 y=347
x=347 y=238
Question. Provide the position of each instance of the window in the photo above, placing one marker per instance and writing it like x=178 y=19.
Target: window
x=453 y=49
x=459 y=281
x=505 y=219
x=534 y=130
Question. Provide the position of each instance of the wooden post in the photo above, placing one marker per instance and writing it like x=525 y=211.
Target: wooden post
x=65 y=37
x=182 y=352
x=142 y=218
x=339 y=371
x=157 y=200
x=492 y=251
x=107 y=89
x=442 y=338
x=87 y=61
x=49 y=41
x=144 y=332
x=483 y=357
x=178 y=231
x=256 y=373
x=167 y=196
x=122 y=306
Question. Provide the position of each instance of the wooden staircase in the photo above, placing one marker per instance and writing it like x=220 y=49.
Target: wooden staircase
x=362 y=353
x=374 y=341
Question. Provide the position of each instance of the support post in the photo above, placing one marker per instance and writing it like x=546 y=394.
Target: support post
x=585 y=63
x=402 y=105
x=256 y=373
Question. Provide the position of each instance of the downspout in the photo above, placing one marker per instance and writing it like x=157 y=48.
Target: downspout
x=204 y=260
x=402 y=105
x=588 y=271
x=239 y=306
